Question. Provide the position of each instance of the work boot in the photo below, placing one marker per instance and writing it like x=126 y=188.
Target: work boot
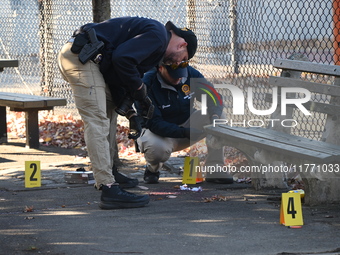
x=124 y=181
x=115 y=198
x=151 y=177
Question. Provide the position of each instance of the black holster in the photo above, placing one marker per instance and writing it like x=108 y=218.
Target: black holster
x=79 y=42
x=86 y=45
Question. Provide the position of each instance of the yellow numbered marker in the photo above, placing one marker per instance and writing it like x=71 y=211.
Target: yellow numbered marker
x=32 y=174
x=190 y=167
x=291 y=210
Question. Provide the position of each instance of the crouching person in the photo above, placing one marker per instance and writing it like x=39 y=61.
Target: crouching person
x=176 y=124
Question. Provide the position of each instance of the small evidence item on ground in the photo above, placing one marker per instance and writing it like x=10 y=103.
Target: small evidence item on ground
x=79 y=176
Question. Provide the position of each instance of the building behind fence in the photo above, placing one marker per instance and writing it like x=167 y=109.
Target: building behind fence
x=238 y=41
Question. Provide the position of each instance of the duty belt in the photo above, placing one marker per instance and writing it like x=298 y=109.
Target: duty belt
x=96 y=59
x=87 y=46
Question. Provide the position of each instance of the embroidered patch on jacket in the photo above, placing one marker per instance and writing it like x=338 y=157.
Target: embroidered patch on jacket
x=186 y=89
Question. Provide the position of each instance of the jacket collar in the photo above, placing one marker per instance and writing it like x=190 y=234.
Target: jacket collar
x=167 y=86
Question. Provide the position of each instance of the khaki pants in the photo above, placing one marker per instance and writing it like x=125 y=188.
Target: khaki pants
x=157 y=149
x=93 y=101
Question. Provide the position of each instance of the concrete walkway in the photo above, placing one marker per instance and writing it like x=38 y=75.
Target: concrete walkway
x=60 y=218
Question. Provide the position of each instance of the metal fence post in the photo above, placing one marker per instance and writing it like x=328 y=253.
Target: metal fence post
x=46 y=53
x=191 y=12
x=233 y=35
x=336 y=31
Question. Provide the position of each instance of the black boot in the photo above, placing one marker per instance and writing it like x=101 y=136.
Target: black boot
x=124 y=181
x=150 y=177
x=115 y=198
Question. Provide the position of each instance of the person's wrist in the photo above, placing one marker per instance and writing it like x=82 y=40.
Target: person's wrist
x=186 y=133
x=141 y=93
x=130 y=114
x=141 y=86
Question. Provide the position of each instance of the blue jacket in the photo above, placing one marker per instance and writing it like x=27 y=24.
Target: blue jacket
x=132 y=46
x=172 y=104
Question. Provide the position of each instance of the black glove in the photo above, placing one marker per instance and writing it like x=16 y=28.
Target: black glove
x=135 y=128
x=193 y=133
x=141 y=93
x=125 y=107
x=144 y=101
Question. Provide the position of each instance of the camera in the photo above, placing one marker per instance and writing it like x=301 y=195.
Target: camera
x=125 y=106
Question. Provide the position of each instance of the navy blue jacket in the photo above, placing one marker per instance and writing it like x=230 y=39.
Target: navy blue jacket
x=172 y=105
x=132 y=46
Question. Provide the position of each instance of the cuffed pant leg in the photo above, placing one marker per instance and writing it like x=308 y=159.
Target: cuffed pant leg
x=156 y=149
x=90 y=94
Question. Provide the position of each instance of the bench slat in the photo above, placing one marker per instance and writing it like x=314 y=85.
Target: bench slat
x=329 y=109
x=270 y=145
x=8 y=63
x=23 y=101
x=277 y=142
x=325 y=108
x=309 y=67
x=315 y=87
x=296 y=140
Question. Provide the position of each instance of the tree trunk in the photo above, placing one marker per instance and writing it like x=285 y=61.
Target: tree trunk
x=101 y=10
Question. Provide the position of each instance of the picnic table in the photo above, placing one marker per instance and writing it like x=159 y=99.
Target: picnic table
x=8 y=63
x=30 y=104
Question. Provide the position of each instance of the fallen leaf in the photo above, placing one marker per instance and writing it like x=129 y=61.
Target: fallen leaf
x=29 y=209
x=215 y=198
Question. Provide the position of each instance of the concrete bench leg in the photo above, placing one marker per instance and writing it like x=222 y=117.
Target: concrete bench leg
x=32 y=129
x=3 y=125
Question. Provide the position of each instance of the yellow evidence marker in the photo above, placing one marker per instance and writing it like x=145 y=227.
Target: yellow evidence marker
x=32 y=174
x=190 y=167
x=291 y=210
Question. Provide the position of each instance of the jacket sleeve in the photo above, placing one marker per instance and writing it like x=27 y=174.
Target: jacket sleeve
x=159 y=126
x=128 y=55
x=163 y=128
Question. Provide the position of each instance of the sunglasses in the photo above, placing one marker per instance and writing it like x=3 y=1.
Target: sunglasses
x=182 y=64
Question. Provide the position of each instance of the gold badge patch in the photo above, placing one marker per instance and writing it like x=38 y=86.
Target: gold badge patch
x=186 y=89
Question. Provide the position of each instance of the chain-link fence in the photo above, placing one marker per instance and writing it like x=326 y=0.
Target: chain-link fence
x=238 y=41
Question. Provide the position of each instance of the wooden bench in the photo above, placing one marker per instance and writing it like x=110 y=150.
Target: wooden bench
x=31 y=105
x=8 y=63
x=276 y=145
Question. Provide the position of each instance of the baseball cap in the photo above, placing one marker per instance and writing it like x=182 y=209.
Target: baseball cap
x=187 y=35
x=177 y=73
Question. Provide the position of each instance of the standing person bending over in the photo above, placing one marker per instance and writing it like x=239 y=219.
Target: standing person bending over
x=104 y=63
x=176 y=124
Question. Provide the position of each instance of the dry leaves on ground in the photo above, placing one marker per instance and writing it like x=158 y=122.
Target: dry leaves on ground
x=65 y=131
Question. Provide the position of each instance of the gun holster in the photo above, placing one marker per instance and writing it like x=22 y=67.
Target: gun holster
x=87 y=46
x=79 y=42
